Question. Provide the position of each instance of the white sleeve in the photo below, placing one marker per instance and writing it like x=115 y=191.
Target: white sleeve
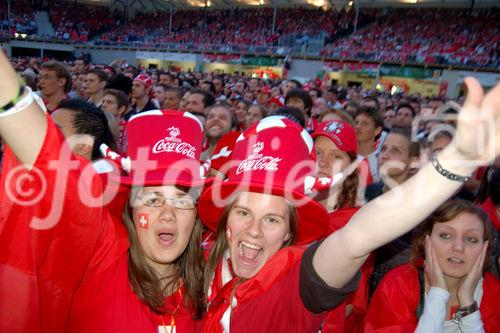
x=472 y=323
x=434 y=314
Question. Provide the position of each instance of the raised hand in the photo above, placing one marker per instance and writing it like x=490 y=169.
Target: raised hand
x=433 y=272
x=478 y=126
x=468 y=284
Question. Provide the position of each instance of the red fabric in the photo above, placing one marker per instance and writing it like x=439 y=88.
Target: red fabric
x=74 y=274
x=489 y=208
x=106 y=303
x=365 y=173
x=262 y=304
x=336 y=320
x=394 y=304
x=41 y=269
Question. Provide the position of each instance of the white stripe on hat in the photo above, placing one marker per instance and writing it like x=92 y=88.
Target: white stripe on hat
x=190 y=115
x=147 y=113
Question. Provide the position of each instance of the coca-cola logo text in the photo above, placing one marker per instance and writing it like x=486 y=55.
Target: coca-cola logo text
x=258 y=162
x=183 y=148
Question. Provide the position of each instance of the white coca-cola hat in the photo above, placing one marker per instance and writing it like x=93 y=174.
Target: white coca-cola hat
x=274 y=156
x=163 y=148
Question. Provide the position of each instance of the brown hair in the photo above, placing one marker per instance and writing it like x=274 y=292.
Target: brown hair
x=121 y=97
x=189 y=270
x=221 y=244
x=447 y=212
x=61 y=72
x=349 y=192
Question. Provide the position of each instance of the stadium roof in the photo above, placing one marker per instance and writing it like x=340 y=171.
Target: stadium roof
x=148 y=5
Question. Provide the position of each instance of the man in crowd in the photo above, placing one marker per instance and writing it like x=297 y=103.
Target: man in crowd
x=199 y=101
x=368 y=124
x=219 y=88
x=114 y=102
x=220 y=121
x=85 y=126
x=54 y=83
x=161 y=94
x=173 y=96
x=301 y=100
x=141 y=94
x=95 y=82
x=404 y=116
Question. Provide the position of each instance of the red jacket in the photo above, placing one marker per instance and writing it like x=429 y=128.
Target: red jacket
x=73 y=274
x=268 y=302
x=394 y=304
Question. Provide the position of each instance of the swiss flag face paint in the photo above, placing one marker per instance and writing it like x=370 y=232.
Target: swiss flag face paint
x=143 y=219
x=228 y=233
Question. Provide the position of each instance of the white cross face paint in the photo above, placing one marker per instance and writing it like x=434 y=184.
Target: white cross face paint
x=143 y=219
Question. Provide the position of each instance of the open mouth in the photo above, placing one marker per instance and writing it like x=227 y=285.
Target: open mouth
x=166 y=238
x=455 y=260
x=249 y=253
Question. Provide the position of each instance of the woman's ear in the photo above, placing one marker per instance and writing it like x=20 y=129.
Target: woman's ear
x=288 y=236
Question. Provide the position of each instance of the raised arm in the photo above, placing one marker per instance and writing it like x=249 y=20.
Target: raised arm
x=398 y=211
x=23 y=131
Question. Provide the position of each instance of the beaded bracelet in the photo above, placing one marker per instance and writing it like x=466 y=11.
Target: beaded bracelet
x=448 y=174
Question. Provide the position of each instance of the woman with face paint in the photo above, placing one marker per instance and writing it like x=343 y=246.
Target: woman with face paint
x=66 y=265
x=446 y=287
x=258 y=277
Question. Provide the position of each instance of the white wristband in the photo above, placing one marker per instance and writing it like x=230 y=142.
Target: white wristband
x=21 y=105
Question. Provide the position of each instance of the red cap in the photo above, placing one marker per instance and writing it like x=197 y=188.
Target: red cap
x=144 y=79
x=341 y=133
x=163 y=148
x=274 y=156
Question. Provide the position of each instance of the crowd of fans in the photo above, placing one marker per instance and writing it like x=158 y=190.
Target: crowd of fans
x=21 y=20
x=446 y=36
x=429 y=36
x=391 y=136
x=76 y=22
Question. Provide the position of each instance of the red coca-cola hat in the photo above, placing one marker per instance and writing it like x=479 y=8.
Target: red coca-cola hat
x=341 y=133
x=274 y=156
x=163 y=148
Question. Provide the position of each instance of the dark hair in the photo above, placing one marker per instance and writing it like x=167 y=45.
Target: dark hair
x=318 y=92
x=121 y=98
x=189 y=268
x=208 y=98
x=373 y=114
x=234 y=121
x=120 y=82
x=89 y=119
x=102 y=75
x=333 y=90
x=447 y=212
x=302 y=95
x=494 y=187
x=177 y=90
x=61 y=72
x=298 y=85
x=212 y=86
x=293 y=114
x=408 y=106
x=372 y=99
x=84 y=58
